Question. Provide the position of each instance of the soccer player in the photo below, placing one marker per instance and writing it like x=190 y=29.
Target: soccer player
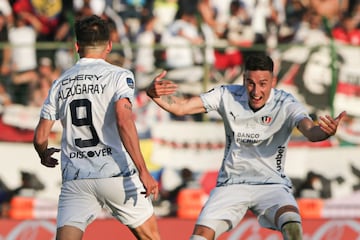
x=101 y=161
x=258 y=121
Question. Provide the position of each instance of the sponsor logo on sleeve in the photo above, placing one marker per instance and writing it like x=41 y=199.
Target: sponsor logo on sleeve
x=130 y=83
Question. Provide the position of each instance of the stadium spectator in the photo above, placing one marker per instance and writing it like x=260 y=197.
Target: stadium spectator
x=330 y=9
x=238 y=34
x=22 y=39
x=6 y=11
x=165 y=12
x=47 y=74
x=208 y=15
x=311 y=30
x=238 y=31
x=145 y=62
x=186 y=6
x=183 y=54
x=5 y=98
x=120 y=38
x=263 y=13
x=294 y=11
x=221 y=14
x=64 y=58
x=131 y=11
x=209 y=29
x=348 y=31
x=49 y=19
x=89 y=7
x=44 y=16
x=355 y=11
x=6 y=21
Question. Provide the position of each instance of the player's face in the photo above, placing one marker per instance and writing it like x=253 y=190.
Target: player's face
x=258 y=85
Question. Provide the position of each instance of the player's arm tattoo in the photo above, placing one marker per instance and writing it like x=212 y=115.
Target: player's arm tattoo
x=168 y=99
x=128 y=106
x=172 y=99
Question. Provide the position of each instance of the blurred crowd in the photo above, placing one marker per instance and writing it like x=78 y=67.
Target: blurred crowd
x=194 y=32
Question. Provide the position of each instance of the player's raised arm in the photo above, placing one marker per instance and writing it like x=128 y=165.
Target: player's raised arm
x=327 y=127
x=162 y=92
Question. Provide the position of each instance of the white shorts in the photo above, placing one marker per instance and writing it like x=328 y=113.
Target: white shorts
x=230 y=203
x=81 y=201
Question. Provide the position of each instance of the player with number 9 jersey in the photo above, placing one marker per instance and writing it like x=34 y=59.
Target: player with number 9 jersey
x=101 y=161
x=83 y=100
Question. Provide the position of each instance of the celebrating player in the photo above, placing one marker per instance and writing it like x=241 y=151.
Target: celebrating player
x=258 y=120
x=101 y=162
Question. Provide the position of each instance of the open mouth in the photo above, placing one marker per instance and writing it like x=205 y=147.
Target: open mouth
x=255 y=98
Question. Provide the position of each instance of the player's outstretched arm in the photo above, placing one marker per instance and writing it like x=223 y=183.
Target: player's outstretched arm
x=327 y=127
x=161 y=87
x=162 y=92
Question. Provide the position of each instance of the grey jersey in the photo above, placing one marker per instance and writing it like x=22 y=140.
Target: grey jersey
x=256 y=142
x=83 y=98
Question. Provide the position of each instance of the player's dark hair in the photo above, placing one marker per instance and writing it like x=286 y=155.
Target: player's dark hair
x=92 y=30
x=259 y=62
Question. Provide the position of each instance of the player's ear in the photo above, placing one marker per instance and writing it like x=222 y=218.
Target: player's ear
x=274 y=81
x=77 y=46
x=109 y=47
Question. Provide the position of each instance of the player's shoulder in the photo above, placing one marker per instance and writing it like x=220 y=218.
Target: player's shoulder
x=226 y=91
x=123 y=73
x=223 y=90
x=228 y=87
x=282 y=95
x=234 y=89
x=101 y=65
x=116 y=68
x=120 y=75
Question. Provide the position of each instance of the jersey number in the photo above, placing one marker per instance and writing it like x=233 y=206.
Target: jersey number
x=85 y=121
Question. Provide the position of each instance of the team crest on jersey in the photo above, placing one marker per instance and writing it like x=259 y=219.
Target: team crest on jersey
x=266 y=120
x=130 y=83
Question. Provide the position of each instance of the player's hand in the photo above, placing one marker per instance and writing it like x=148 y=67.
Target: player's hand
x=160 y=87
x=329 y=125
x=47 y=159
x=150 y=184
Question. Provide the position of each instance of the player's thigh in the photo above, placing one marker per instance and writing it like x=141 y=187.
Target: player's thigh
x=275 y=205
x=227 y=204
x=78 y=206
x=69 y=233
x=147 y=230
x=124 y=197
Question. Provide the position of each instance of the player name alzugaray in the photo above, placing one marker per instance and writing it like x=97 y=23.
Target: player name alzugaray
x=79 y=84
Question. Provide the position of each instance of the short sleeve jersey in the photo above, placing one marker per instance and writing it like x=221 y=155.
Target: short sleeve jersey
x=83 y=99
x=256 y=142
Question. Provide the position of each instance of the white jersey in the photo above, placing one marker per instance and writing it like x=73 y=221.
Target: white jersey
x=83 y=98
x=256 y=142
